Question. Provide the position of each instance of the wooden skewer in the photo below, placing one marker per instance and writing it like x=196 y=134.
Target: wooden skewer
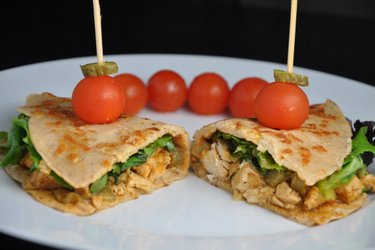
x=98 y=32
x=292 y=34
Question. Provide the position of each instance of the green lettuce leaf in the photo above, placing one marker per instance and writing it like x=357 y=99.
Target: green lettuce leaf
x=360 y=145
x=61 y=181
x=16 y=147
x=18 y=143
x=3 y=141
x=99 y=184
x=141 y=156
x=267 y=162
x=246 y=151
x=353 y=163
x=343 y=176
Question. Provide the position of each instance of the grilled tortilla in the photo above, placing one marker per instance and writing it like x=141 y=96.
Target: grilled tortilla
x=282 y=170
x=76 y=156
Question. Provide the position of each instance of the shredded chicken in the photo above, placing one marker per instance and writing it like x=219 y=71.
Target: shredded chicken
x=155 y=165
x=221 y=182
x=313 y=199
x=222 y=150
x=118 y=189
x=259 y=195
x=213 y=163
x=159 y=164
x=246 y=177
x=26 y=160
x=137 y=181
x=245 y=182
x=141 y=178
x=350 y=191
x=233 y=167
x=143 y=170
x=249 y=184
x=240 y=179
x=285 y=196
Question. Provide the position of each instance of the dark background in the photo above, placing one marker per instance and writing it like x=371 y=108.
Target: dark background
x=334 y=36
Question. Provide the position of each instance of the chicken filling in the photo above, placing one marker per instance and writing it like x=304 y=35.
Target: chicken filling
x=237 y=166
x=139 y=174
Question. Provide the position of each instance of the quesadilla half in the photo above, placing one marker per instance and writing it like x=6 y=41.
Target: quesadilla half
x=313 y=174
x=80 y=168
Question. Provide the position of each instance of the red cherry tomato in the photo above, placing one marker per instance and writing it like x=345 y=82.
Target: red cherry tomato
x=167 y=91
x=98 y=99
x=135 y=92
x=242 y=96
x=208 y=94
x=282 y=106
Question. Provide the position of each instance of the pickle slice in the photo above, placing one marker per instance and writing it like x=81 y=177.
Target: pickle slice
x=284 y=76
x=99 y=69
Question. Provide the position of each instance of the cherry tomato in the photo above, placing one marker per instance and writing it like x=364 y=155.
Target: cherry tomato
x=167 y=91
x=282 y=106
x=98 y=99
x=208 y=94
x=135 y=92
x=242 y=96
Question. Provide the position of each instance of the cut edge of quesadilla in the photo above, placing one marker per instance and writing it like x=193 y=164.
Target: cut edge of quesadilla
x=311 y=174
x=82 y=169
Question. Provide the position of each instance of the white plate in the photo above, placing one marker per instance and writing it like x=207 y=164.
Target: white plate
x=189 y=214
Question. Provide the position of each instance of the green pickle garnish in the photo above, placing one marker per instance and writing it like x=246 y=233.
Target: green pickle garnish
x=284 y=76
x=99 y=69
